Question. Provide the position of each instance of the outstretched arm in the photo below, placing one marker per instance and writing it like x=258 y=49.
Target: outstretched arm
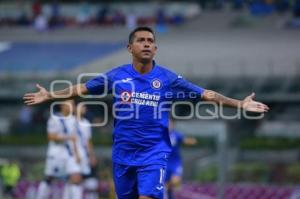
x=43 y=95
x=247 y=104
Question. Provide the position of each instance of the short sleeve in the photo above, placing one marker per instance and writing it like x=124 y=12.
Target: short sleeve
x=182 y=89
x=53 y=126
x=102 y=83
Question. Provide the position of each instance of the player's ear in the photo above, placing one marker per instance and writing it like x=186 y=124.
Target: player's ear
x=129 y=48
x=155 y=49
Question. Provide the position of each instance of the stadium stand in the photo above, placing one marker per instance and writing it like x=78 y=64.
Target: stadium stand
x=48 y=57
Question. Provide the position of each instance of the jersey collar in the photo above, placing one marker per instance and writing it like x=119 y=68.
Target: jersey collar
x=150 y=73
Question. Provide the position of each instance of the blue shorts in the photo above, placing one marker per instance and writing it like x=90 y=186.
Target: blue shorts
x=134 y=181
x=173 y=170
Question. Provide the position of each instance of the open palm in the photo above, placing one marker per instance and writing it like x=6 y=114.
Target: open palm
x=36 y=98
x=250 y=105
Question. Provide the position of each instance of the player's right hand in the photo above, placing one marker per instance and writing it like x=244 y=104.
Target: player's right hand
x=36 y=98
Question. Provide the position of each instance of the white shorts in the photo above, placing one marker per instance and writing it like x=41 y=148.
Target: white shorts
x=85 y=166
x=72 y=166
x=57 y=166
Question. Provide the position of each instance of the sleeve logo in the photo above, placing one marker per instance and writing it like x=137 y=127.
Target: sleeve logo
x=125 y=96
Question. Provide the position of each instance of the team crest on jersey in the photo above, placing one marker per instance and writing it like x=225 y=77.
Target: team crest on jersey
x=156 y=84
x=125 y=96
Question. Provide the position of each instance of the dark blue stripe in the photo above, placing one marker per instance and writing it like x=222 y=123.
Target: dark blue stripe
x=81 y=138
x=66 y=133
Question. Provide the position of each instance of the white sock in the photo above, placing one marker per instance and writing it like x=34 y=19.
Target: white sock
x=73 y=191
x=76 y=191
x=66 y=192
x=43 y=191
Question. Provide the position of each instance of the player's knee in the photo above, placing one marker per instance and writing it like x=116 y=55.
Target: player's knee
x=75 y=178
x=176 y=181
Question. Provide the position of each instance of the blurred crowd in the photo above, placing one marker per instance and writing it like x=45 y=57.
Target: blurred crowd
x=43 y=17
x=256 y=7
x=52 y=15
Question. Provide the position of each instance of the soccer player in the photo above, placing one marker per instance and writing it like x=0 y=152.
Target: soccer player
x=86 y=151
x=62 y=154
x=84 y=143
x=174 y=165
x=143 y=92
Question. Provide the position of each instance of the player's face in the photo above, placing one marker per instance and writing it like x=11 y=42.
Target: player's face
x=82 y=109
x=143 y=46
x=68 y=107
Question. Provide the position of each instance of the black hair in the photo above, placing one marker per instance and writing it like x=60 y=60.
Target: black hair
x=142 y=28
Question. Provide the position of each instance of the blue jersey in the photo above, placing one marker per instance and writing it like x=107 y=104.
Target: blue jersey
x=176 y=141
x=141 y=105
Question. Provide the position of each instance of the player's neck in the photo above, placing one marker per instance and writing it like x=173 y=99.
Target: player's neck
x=142 y=67
x=65 y=114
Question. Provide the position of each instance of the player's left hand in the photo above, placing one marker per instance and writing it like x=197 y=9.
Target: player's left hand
x=249 y=104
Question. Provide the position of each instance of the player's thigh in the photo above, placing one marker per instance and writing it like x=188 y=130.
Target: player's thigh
x=151 y=181
x=55 y=166
x=73 y=170
x=125 y=179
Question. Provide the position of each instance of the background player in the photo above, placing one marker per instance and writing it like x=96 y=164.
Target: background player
x=141 y=142
x=174 y=165
x=62 y=155
x=86 y=152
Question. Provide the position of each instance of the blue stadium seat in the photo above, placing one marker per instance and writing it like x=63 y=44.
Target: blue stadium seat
x=53 y=56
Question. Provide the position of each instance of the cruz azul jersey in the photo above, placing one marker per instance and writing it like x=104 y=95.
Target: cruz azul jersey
x=141 y=105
